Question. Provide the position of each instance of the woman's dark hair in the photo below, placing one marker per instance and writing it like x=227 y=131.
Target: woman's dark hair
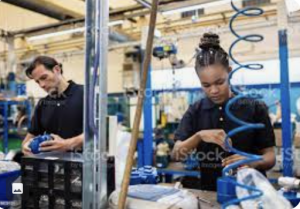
x=48 y=62
x=210 y=52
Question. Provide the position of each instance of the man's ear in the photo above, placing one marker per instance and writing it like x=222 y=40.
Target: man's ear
x=57 y=69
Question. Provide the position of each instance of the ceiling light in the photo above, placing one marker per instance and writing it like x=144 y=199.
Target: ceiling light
x=66 y=32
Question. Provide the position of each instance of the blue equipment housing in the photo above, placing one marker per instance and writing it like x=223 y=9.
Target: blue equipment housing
x=35 y=143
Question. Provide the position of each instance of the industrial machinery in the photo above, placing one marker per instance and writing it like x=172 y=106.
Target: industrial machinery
x=168 y=51
x=132 y=69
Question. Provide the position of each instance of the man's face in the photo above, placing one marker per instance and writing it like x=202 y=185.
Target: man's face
x=47 y=79
x=214 y=81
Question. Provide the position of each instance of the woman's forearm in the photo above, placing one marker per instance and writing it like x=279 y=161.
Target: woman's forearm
x=183 y=148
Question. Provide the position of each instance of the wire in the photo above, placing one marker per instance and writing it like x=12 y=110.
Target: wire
x=244 y=126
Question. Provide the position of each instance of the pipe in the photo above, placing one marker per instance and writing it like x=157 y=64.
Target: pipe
x=29 y=5
x=144 y=3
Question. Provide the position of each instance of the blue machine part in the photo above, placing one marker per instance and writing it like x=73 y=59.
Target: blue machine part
x=144 y=175
x=35 y=143
x=21 y=89
x=164 y=51
x=226 y=184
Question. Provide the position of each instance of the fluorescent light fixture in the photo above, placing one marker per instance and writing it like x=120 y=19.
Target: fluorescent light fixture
x=196 y=7
x=117 y=22
x=66 y=32
x=292 y=5
x=60 y=33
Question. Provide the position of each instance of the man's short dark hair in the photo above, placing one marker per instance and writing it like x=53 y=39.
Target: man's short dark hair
x=48 y=62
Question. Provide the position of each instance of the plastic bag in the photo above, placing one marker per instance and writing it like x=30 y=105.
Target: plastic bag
x=123 y=143
x=269 y=200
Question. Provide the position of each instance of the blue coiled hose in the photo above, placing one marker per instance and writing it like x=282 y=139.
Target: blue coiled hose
x=244 y=126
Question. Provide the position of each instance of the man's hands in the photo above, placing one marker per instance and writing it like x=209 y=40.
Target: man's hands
x=57 y=144
x=25 y=148
x=215 y=136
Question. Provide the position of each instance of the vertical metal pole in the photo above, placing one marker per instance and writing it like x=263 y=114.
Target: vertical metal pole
x=287 y=152
x=6 y=127
x=88 y=152
x=148 y=129
x=140 y=148
x=102 y=105
x=95 y=168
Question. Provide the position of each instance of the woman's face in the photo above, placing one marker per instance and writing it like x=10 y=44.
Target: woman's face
x=214 y=81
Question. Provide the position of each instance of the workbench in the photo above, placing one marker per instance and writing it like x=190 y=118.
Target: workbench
x=207 y=199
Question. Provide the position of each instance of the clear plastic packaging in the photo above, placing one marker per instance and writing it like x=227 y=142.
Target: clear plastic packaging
x=269 y=200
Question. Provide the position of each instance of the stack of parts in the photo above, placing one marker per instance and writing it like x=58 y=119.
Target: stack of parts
x=156 y=197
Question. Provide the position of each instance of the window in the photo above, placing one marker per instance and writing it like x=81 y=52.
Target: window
x=250 y=3
x=192 y=13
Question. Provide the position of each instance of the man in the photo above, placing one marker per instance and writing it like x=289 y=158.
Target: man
x=60 y=113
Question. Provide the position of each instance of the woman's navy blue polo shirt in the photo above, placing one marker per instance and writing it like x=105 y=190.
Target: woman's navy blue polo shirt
x=61 y=115
x=205 y=115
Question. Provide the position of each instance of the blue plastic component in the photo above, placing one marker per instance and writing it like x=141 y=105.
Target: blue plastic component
x=144 y=175
x=6 y=180
x=35 y=143
x=293 y=197
x=21 y=89
x=226 y=190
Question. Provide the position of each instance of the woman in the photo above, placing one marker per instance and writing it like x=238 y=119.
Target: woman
x=205 y=124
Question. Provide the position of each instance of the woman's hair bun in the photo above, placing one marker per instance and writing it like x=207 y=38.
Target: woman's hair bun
x=210 y=41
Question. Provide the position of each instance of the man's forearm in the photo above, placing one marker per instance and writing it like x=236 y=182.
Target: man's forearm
x=75 y=142
x=28 y=137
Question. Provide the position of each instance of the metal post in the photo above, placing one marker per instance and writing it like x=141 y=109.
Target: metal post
x=147 y=107
x=103 y=10
x=88 y=152
x=95 y=110
x=287 y=152
x=148 y=129
x=6 y=128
